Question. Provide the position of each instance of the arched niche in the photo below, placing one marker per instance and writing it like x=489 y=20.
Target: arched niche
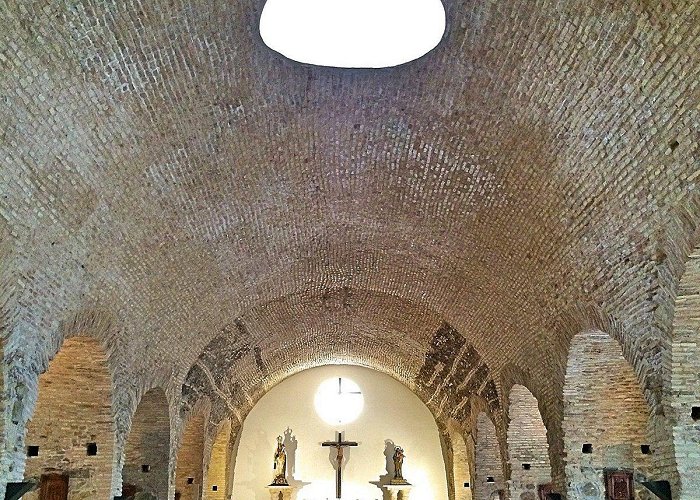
x=528 y=451
x=392 y=415
x=489 y=478
x=217 y=472
x=190 y=456
x=605 y=417
x=685 y=383
x=147 y=450
x=461 y=463
x=70 y=437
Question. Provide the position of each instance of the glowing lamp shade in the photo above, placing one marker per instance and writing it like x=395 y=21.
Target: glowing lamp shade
x=339 y=401
x=352 y=33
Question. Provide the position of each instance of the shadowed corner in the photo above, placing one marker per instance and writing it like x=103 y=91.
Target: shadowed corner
x=384 y=479
x=291 y=444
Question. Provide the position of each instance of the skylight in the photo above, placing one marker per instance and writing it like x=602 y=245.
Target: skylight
x=352 y=33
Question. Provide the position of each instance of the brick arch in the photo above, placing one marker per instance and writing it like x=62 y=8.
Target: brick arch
x=74 y=410
x=685 y=360
x=527 y=444
x=488 y=459
x=190 y=452
x=604 y=407
x=217 y=470
x=441 y=366
x=585 y=317
x=148 y=444
x=550 y=410
x=459 y=461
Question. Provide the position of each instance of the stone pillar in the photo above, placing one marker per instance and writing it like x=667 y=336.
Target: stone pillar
x=278 y=492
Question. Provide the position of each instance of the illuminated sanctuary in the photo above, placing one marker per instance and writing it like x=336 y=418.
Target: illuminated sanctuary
x=350 y=249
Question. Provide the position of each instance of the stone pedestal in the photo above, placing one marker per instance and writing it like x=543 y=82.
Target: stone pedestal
x=278 y=492
x=399 y=491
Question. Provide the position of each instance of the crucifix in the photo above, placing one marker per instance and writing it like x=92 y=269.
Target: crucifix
x=339 y=444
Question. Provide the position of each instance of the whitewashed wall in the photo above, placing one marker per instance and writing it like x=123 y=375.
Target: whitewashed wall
x=392 y=412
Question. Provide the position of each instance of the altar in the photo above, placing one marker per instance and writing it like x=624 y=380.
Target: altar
x=351 y=460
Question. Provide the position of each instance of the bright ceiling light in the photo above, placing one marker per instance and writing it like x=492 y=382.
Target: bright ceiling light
x=339 y=401
x=352 y=33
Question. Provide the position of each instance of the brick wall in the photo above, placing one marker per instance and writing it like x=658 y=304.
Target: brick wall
x=74 y=409
x=190 y=456
x=685 y=378
x=218 y=464
x=148 y=444
x=603 y=407
x=461 y=471
x=488 y=460
x=527 y=444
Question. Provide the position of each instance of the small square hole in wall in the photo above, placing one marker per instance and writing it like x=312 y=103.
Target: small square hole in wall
x=91 y=449
x=145 y=468
x=646 y=449
x=587 y=448
x=190 y=480
x=214 y=488
x=32 y=451
x=489 y=479
x=466 y=485
x=526 y=466
x=695 y=413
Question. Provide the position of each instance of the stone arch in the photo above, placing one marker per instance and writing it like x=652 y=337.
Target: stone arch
x=489 y=476
x=528 y=450
x=461 y=458
x=147 y=449
x=71 y=432
x=189 y=473
x=606 y=416
x=217 y=472
x=685 y=383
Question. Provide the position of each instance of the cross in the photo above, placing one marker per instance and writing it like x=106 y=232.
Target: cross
x=339 y=444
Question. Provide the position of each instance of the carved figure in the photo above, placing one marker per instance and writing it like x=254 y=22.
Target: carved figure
x=398 y=466
x=280 y=464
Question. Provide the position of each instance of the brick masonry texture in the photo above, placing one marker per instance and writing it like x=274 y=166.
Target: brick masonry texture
x=218 y=470
x=489 y=476
x=74 y=409
x=527 y=444
x=149 y=444
x=604 y=407
x=190 y=457
x=219 y=218
x=461 y=457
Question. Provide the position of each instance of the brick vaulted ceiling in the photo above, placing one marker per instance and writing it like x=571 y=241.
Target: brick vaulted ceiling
x=535 y=174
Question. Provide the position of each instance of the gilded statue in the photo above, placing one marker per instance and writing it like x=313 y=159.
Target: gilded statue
x=280 y=478
x=398 y=466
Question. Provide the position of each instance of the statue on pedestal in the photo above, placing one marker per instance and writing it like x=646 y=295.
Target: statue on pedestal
x=280 y=478
x=398 y=467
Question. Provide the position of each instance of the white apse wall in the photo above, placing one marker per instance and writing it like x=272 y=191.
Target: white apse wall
x=391 y=412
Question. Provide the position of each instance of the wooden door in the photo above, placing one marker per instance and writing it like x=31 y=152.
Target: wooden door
x=53 y=487
x=619 y=485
